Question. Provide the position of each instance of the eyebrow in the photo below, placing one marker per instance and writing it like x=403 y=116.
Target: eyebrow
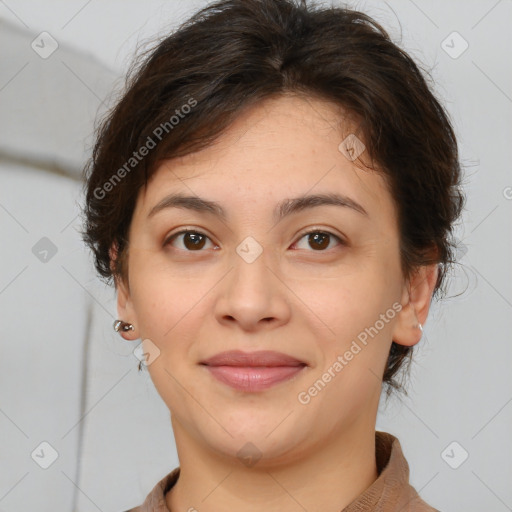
x=282 y=210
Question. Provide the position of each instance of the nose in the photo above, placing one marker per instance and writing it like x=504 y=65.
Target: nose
x=252 y=296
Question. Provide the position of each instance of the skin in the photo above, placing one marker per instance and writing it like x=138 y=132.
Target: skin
x=294 y=298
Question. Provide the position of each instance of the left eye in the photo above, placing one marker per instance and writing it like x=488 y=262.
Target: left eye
x=195 y=240
x=319 y=240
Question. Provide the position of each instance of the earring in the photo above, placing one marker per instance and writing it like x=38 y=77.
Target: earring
x=119 y=325
x=420 y=327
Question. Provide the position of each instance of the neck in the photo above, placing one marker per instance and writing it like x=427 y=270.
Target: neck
x=327 y=478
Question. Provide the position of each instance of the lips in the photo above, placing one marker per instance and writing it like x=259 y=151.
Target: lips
x=253 y=371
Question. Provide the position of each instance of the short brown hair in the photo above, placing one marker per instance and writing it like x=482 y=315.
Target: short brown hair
x=235 y=53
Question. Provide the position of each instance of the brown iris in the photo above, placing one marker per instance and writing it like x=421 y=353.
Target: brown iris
x=196 y=239
x=322 y=239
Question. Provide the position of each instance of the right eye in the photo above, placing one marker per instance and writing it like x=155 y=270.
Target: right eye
x=192 y=241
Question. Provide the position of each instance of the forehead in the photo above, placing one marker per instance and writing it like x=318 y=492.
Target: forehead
x=284 y=146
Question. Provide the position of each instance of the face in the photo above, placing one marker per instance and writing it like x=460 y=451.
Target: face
x=252 y=279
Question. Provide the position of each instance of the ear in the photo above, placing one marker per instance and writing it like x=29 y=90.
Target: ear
x=125 y=309
x=416 y=298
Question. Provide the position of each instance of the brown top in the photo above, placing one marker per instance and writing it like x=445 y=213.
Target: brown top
x=391 y=492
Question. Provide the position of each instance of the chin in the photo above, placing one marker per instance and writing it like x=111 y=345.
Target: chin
x=268 y=438
x=256 y=449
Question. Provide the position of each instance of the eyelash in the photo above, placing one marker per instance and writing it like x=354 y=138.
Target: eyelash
x=170 y=238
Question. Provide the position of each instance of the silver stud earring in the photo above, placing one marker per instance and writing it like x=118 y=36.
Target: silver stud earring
x=420 y=327
x=119 y=325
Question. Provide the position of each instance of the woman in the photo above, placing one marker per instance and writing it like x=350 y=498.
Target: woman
x=273 y=197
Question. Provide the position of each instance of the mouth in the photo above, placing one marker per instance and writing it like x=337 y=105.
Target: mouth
x=253 y=371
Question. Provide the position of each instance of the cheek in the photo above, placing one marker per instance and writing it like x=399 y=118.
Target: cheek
x=357 y=317
x=162 y=307
x=353 y=300
x=160 y=301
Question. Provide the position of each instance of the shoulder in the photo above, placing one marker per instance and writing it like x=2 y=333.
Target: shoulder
x=411 y=501
x=420 y=506
x=155 y=500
